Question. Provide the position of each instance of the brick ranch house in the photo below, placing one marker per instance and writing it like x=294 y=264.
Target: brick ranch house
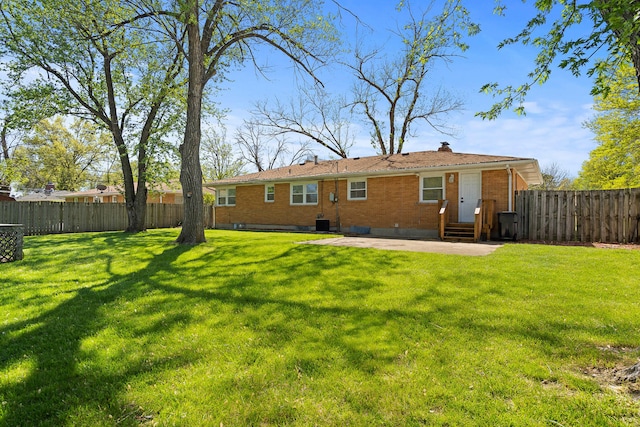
x=422 y=194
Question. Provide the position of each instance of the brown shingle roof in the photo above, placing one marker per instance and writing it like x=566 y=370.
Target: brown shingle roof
x=387 y=165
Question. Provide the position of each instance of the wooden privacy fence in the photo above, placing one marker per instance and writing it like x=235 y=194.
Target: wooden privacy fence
x=55 y=217
x=609 y=216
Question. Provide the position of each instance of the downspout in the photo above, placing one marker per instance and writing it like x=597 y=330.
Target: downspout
x=510 y=209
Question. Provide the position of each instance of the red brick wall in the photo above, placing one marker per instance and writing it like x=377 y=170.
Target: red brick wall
x=495 y=186
x=390 y=201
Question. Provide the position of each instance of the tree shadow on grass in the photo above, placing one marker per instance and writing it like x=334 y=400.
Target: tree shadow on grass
x=47 y=381
x=44 y=383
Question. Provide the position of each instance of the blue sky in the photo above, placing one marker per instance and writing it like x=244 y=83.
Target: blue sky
x=551 y=131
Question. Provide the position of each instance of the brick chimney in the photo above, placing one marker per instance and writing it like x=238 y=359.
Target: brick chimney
x=444 y=146
x=48 y=189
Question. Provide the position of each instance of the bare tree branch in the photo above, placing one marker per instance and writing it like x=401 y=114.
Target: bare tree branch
x=391 y=94
x=315 y=116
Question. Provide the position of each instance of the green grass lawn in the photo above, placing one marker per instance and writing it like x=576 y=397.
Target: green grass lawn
x=253 y=329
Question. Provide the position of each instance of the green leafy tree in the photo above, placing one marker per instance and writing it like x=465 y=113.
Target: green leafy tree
x=614 y=29
x=69 y=158
x=19 y=112
x=123 y=77
x=220 y=34
x=615 y=162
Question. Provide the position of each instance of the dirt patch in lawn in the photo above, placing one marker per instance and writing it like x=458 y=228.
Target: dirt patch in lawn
x=609 y=378
x=623 y=378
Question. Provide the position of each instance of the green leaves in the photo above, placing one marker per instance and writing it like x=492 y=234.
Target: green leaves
x=615 y=31
x=68 y=157
x=615 y=162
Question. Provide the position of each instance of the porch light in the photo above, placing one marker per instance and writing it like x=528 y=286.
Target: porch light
x=452 y=178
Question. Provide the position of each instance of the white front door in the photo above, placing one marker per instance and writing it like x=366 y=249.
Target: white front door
x=469 y=190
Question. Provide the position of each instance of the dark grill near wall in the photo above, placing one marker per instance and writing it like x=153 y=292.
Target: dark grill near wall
x=11 y=241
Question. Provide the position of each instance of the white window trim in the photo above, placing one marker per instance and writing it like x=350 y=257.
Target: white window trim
x=266 y=193
x=444 y=186
x=226 y=198
x=366 y=188
x=304 y=193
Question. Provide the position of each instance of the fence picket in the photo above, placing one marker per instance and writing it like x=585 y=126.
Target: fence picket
x=54 y=217
x=609 y=216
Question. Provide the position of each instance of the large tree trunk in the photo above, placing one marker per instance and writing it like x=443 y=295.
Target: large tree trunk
x=130 y=199
x=5 y=145
x=140 y=209
x=135 y=201
x=136 y=221
x=190 y=172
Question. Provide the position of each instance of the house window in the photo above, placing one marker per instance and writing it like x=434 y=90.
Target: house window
x=227 y=197
x=357 y=189
x=304 y=194
x=269 y=193
x=114 y=199
x=431 y=188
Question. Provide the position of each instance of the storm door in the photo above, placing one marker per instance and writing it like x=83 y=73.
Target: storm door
x=469 y=190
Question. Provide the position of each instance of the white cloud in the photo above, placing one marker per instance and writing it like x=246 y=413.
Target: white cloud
x=554 y=135
x=532 y=108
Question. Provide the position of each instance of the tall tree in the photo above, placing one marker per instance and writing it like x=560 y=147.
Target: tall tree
x=218 y=158
x=121 y=77
x=554 y=177
x=614 y=28
x=265 y=150
x=392 y=95
x=19 y=112
x=69 y=158
x=222 y=33
x=615 y=162
x=322 y=120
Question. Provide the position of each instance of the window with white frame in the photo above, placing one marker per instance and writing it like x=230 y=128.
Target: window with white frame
x=357 y=189
x=431 y=188
x=114 y=199
x=227 y=197
x=269 y=193
x=304 y=193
